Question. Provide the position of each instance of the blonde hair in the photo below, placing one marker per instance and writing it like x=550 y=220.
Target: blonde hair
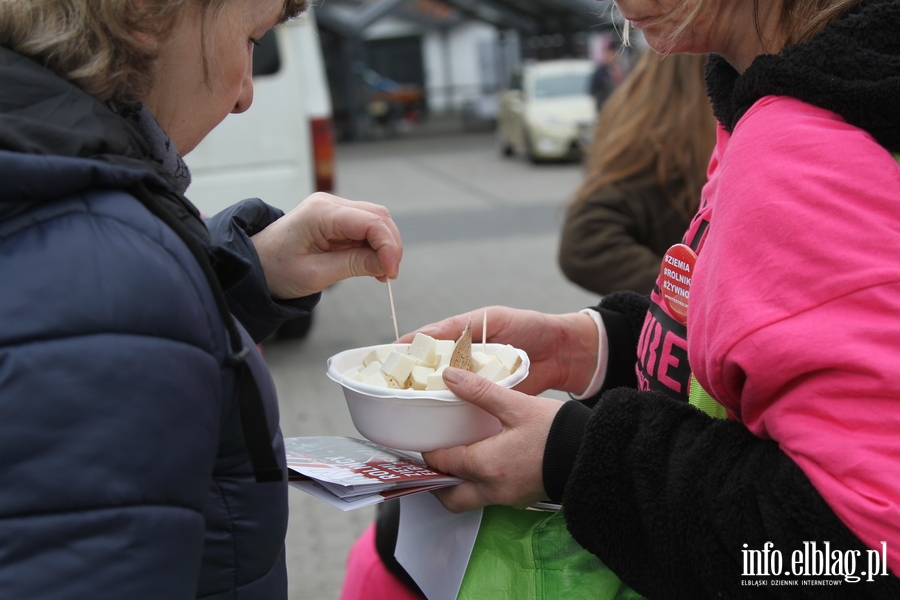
x=799 y=21
x=659 y=120
x=92 y=43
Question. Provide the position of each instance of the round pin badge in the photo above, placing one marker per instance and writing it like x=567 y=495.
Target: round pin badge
x=675 y=275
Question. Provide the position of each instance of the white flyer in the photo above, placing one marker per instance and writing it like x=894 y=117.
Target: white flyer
x=434 y=545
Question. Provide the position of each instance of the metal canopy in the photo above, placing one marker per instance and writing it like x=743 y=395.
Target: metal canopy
x=349 y=18
x=352 y=24
x=561 y=15
x=498 y=14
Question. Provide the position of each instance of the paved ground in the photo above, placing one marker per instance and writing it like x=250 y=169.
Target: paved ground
x=478 y=230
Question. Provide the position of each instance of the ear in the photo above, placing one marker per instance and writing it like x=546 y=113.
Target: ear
x=142 y=37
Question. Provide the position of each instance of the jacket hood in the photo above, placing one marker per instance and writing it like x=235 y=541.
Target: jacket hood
x=852 y=68
x=56 y=140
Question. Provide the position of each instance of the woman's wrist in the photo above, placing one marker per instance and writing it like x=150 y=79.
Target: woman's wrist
x=268 y=247
x=585 y=356
x=599 y=372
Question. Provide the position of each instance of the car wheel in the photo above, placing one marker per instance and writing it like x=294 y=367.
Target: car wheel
x=532 y=156
x=506 y=148
x=295 y=329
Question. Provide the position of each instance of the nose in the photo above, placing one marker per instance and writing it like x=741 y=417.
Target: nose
x=245 y=97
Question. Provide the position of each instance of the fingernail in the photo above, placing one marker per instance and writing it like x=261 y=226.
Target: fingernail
x=453 y=375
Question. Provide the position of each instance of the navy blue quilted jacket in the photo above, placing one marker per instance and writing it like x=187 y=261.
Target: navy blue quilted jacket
x=123 y=467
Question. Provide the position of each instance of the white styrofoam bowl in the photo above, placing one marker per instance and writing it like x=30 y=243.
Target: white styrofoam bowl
x=415 y=420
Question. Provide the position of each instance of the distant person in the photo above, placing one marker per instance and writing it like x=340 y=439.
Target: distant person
x=141 y=453
x=607 y=75
x=645 y=168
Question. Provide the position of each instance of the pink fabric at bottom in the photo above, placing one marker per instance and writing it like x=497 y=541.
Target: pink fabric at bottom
x=367 y=578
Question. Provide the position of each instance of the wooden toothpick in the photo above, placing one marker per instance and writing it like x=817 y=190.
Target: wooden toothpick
x=393 y=312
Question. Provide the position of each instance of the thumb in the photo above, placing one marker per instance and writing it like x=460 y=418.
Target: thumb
x=350 y=262
x=320 y=271
x=481 y=392
x=365 y=261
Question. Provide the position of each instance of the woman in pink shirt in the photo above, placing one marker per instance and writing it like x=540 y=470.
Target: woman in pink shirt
x=782 y=305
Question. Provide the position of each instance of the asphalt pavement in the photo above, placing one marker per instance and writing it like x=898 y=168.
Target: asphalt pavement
x=478 y=230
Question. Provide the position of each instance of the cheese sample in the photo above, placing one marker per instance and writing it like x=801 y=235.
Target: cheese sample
x=369 y=370
x=442 y=347
x=377 y=379
x=419 y=365
x=435 y=381
x=423 y=348
x=494 y=371
x=418 y=378
x=399 y=366
x=379 y=354
x=509 y=356
x=481 y=360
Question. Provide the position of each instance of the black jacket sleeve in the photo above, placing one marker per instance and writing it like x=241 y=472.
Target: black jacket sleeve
x=623 y=316
x=668 y=498
x=241 y=274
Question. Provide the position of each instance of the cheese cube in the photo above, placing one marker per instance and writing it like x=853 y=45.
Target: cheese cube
x=398 y=366
x=423 y=349
x=494 y=371
x=435 y=381
x=443 y=347
x=418 y=378
x=379 y=354
x=369 y=370
x=480 y=360
x=352 y=374
x=509 y=357
x=377 y=379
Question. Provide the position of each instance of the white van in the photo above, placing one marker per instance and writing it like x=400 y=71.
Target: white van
x=280 y=150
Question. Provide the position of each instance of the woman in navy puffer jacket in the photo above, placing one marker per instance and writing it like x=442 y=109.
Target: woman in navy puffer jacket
x=140 y=455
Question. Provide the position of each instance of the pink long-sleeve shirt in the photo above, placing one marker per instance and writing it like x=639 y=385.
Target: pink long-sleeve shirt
x=794 y=315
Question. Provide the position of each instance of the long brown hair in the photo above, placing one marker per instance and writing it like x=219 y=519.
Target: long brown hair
x=659 y=119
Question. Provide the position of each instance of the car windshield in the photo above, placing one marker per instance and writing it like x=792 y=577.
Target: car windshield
x=566 y=84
